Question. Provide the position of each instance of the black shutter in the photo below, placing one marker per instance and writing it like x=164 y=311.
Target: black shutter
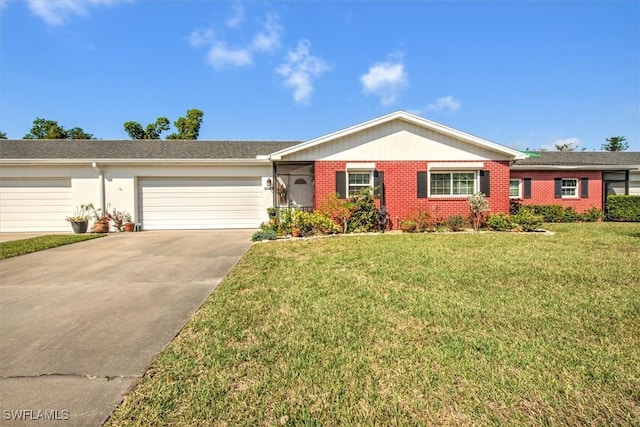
x=341 y=184
x=584 y=188
x=422 y=185
x=378 y=186
x=485 y=183
x=526 y=182
x=557 y=188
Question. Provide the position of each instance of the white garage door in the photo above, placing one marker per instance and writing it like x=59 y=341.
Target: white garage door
x=200 y=203
x=35 y=204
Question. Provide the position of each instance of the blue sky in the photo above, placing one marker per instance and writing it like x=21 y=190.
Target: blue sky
x=524 y=74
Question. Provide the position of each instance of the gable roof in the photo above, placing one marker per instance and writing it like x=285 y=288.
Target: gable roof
x=43 y=149
x=605 y=160
x=407 y=117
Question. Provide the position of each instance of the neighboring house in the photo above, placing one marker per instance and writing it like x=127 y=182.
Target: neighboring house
x=574 y=179
x=411 y=163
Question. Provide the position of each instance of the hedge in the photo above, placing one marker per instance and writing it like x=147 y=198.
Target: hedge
x=623 y=208
x=558 y=213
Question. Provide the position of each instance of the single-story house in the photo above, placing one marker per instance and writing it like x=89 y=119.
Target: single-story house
x=411 y=163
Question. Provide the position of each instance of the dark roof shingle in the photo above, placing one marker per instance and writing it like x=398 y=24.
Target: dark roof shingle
x=138 y=149
x=581 y=158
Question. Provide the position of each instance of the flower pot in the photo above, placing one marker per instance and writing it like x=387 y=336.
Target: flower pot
x=408 y=228
x=100 y=227
x=79 y=227
x=129 y=227
x=295 y=232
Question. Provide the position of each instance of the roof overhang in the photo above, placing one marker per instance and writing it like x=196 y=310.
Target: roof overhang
x=409 y=118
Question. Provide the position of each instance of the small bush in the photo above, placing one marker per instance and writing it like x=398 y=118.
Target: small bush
x=456 y=223
x=499 y=222
x=623 y=208
x=550 y=213
x=478 y=204
x=527 y=219
x=363 y=215
x=263 y=235
x=592 y=215
x=570 y=215
x=423 y=218
x=514 y=206
x=313 y=223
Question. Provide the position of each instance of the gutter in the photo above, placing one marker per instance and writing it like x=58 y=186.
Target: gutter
x=94 y=165
x=114 y=162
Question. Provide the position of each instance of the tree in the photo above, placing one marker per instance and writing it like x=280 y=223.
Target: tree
x=616 y=143
x=78 y=133
x=567 y=146
x=50 y=129
x=3 y=135
x=189 y=126
x=152 y=131
x=46 y=129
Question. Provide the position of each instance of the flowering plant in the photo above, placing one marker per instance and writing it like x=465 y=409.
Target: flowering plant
x=81 y=214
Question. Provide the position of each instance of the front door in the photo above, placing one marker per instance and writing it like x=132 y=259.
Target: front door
x=301 y=190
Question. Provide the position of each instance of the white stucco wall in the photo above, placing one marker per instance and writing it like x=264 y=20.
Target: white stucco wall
x=120 y=181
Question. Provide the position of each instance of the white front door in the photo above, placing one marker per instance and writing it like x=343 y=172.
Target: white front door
x=301 y=190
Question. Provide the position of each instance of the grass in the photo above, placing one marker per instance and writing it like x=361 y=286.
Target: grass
x=40 y=243
x=408 y=329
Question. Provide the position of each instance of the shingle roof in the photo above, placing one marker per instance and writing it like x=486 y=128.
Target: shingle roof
x=582 y=158
x=139 y=149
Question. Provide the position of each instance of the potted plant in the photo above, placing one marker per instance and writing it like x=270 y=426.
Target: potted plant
x=100 y=220
x=118 y=219
x=80 y=219
x=129 y=225
x=271 y=212
x=408 y=226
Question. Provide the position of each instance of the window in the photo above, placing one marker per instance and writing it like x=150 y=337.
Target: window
x=515 y=188
x=453 y=183
x=569 y=187
x=358 y=181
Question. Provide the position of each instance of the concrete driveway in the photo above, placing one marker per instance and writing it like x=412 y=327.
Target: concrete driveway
x=80 y=324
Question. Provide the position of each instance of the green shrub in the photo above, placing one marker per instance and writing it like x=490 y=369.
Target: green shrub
x=623 y=208
x=499 y=222
x=263 y=235
x=550 y=213
x=570 y=215
x=592 y=214
x=363 y=213
x=527 y=219
x=310 y=223
x=456 y=222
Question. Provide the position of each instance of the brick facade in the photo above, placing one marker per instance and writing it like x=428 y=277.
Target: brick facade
x=542 y=188
x=401 y=191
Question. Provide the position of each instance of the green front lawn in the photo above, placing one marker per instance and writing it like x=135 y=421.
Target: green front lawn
x=412 y=329
x=34 y=244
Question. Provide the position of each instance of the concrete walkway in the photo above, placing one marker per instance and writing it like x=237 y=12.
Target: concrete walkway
x=80 y=324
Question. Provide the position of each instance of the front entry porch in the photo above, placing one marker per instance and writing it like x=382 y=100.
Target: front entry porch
x=294 y=185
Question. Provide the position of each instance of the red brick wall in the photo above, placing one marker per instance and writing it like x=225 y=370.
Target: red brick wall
x=401 y=192
x=542 y=188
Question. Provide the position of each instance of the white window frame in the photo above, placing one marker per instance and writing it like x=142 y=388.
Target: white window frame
x=575 y=188
x=519 y=196
x=476 y=183
x=358 y=172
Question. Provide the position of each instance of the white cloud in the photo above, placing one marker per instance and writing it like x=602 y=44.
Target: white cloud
x=222 y=56
x=385 y=80
x=269 y=39
x=58 y=12
x=300 y=70
x=201 y=37
x=445 y=103
x=237 y=16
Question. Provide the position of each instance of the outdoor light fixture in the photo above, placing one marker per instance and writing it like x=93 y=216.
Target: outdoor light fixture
x=269 y=184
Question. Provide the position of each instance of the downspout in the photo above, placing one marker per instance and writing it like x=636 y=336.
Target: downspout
x=101 y=185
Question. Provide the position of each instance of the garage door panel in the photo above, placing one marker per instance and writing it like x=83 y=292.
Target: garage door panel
x=200 y=203
x=35 y=204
